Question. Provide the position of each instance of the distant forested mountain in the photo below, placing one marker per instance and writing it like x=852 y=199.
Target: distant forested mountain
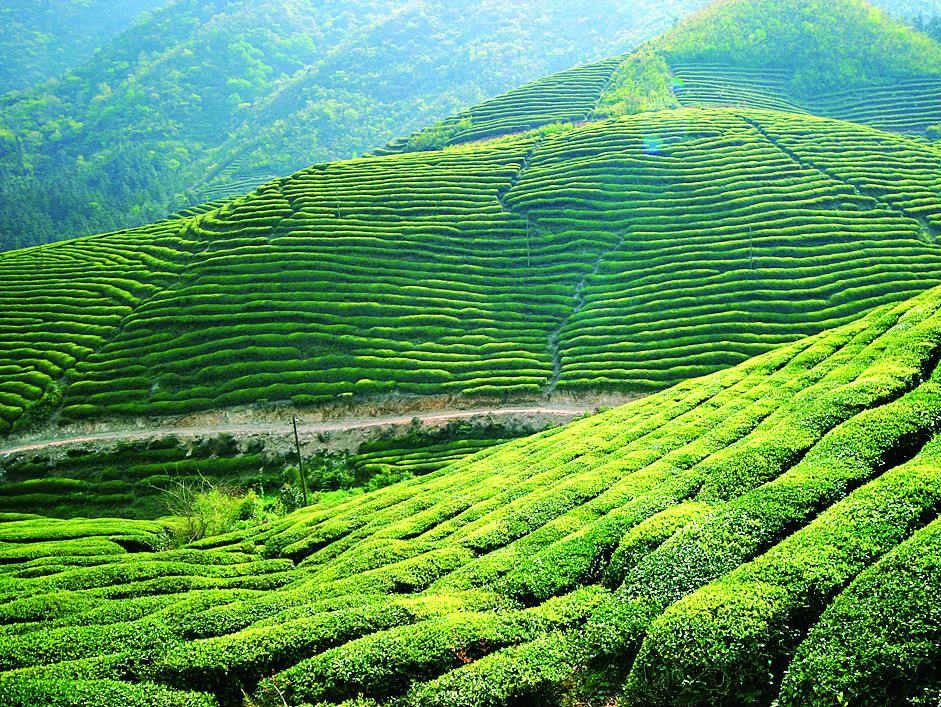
x=210 y=97
x=43 y=38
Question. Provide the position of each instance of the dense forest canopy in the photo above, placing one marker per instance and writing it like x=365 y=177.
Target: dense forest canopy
x=43 y=38
x=930 y=25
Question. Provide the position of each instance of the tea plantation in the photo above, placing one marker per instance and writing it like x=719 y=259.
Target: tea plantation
x=739 y=221
x=568 y=96
x=60 y=304
x=737 y=539
x=624 y=254
x=842 y=59
x=910 y=105
x=598 y=245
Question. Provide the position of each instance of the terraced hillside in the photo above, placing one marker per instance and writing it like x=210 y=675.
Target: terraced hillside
x=765 y=534
x=842 y=59
x=62 y=303
x=625 y=255
x=569 y=96
x=909 y=105
x=205 y=99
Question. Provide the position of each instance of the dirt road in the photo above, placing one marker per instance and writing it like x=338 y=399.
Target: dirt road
x=437 y=417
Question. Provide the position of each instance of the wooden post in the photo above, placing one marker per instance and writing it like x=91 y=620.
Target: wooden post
x=300 y=463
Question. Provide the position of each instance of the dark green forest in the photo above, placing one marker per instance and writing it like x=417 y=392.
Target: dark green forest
x=930 y=25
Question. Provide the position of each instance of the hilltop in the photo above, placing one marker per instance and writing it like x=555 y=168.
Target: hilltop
x=827 y=45
x=210 y=98
x=768 y=533
x=123 y=139
x=842 y=59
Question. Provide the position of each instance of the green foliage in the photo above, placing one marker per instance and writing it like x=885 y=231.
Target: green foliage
x=881 y=629
x=132 y=479
x=762 y=528
x=135 y=479
x=765 y=534
x=205 y=509
x=827 y=44
x=643 y=83
x=553 y=101
x=901 y=105
x=930 y=25
x=731 y=631
x=43 y=40
x=384 y=663
x=475 y=257
x=438 y=136
x=105 y=693
x=205 y=100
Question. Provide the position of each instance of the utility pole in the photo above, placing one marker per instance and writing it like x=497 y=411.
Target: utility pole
x=300 y=463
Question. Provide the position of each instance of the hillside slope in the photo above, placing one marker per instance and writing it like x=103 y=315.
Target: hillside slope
x=212 y=98
x=622 y=255
x=45 y=39
x=840 y=58
x=769 y=533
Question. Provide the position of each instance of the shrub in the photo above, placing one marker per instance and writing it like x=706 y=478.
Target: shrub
x=718 y=644
x=880 y=640
x=437 y=137
x=422 y=650
x=204 y=509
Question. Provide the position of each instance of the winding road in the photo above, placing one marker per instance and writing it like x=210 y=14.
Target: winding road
x=563 y=412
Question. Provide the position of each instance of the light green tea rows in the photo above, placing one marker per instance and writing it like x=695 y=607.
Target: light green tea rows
x=705 y=542
x=363 y=278
x=561 y=98
x=625 y=254
x=903 y=105
x=61 y=302
x=737 y=86
x=718 y=242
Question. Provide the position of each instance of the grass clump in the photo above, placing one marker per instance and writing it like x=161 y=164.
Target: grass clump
x=206 y=509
